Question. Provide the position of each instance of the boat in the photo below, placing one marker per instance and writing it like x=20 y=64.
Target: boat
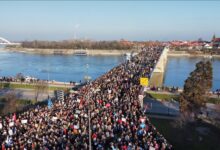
x=80 y=53
x=208 y=56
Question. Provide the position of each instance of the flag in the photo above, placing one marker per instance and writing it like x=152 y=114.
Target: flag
x=49 y=103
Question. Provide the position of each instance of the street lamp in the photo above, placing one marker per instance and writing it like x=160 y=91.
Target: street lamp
x=90 y=140
x=48 y=78
x=87 y=79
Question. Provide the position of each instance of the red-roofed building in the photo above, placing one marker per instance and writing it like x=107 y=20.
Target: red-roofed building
x=215 y=42
x=126 y=42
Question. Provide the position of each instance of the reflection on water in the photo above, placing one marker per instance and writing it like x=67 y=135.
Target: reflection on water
x=179 y=68
x=61 y=67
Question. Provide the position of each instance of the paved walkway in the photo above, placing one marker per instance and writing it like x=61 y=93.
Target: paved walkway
x=170 y=109
x=164 y=108
x=27 y=93
x=177 y=93
x=54 y=84
x=162 y=117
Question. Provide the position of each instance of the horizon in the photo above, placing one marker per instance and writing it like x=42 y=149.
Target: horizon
x=109 y=20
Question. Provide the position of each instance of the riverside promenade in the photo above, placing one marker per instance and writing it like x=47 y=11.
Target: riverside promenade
x=31 y=85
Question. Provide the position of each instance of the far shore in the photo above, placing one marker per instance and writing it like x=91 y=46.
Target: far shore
x=186 y=54
x=101 y=52
x=71 y=51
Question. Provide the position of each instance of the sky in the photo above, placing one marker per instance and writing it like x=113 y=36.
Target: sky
x=109 y=20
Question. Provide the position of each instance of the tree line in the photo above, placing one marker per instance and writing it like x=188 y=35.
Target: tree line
x=77 y=44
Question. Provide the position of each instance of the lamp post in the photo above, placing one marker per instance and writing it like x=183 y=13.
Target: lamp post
x=90 y=140
x=48 y=78
x=87 y=78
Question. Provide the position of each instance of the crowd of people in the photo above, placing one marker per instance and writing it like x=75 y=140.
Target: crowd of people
x=106 y=113
x=165 y=89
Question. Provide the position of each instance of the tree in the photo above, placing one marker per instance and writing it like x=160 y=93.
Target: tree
x=200 y=40
x=10 y=104
x=213 y=38
x=196 y=87
x=1 y=85
x=40 y=87
x=20 y=77
x=77 y=44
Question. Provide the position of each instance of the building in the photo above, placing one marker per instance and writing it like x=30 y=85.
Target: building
x=208 y=46
x=215 y=42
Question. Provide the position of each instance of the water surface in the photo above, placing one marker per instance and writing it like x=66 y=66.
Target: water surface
x=179 y=68
x=60 y=67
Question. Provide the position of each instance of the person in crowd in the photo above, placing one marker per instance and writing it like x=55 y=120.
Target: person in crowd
x=110 y=103
x=218 y=92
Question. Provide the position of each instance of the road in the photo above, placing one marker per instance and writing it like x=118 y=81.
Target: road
x=170 y=109
x=211 y=95
x=26 y=93
x=162 y=107
x=51 y=84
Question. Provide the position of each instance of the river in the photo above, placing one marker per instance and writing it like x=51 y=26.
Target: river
x=179 y=68
x=67 y=68
x=63 y=68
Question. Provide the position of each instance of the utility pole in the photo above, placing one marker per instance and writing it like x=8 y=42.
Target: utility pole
x=89 y=113
x=90 y=140
x=48 y=78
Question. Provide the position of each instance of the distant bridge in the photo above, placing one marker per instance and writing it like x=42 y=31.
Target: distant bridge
x=3 y=41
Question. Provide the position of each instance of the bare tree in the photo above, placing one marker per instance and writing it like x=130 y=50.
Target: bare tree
x=10 y=104
x=20 y=77
x=40 y=87
x=1 y=85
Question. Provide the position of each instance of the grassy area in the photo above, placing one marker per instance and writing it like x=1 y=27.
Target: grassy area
x=18 y=105
x=28 y=86
x=163 y=96
x=168 y=97
x=214 y=100
x=188 y=137
x=18 y=101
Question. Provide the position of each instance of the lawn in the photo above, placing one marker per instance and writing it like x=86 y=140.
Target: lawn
x=189 y=138
x=168 y=97
x=163 y=96
x=18 y=105
x=28 y=86
x=214 y=100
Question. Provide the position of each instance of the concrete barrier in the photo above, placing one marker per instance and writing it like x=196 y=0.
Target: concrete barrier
x=157 y=75
x=161 y=64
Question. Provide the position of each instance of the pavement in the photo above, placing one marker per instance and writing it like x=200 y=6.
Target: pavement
x=51 y=84
x=178 y=92
x=161 y=107
x=27 y=93
x=170 y=109
x=162 y=117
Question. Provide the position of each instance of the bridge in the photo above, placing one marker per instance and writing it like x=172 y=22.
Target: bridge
x=3 y=41
x=157 y=75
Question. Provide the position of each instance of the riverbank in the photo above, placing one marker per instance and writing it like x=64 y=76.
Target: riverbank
x=168 y=96
x=71 y=51
x=17 y=85
x=173 y=53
